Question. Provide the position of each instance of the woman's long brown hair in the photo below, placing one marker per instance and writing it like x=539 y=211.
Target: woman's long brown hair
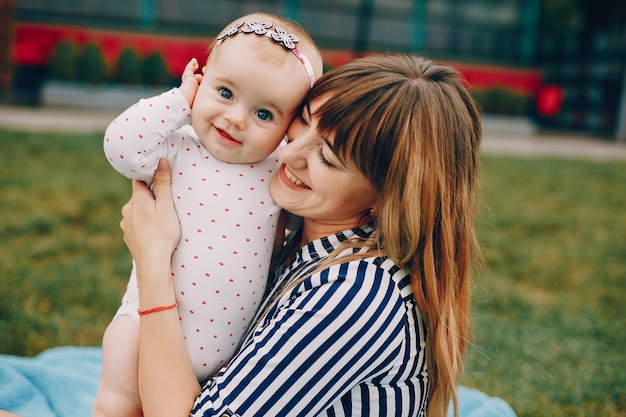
x=414 y=131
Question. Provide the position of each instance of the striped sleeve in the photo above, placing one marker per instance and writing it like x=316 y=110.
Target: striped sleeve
x=340 y=328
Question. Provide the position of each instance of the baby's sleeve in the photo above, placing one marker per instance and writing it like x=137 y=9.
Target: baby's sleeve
x=136 y=140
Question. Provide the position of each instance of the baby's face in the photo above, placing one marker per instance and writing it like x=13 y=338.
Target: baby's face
x=246 y=100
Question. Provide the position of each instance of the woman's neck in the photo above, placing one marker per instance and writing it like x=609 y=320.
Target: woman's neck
x=314 y=229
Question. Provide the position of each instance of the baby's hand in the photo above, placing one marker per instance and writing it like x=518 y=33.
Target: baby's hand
x=190 y=81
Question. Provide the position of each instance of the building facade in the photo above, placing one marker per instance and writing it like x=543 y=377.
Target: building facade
x=495 y=41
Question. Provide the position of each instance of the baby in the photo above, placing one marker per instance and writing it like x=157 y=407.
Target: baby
x=220 y=130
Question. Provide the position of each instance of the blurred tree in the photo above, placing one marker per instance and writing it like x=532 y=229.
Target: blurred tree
x=129 y=67
x=91 y=66
x=7 y=15
x=155 y=71
x=63 y=61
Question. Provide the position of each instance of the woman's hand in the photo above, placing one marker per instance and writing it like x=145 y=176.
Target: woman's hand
x=149 y=222
x=190 y=81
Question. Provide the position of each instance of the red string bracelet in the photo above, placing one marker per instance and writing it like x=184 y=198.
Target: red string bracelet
x=156 y=309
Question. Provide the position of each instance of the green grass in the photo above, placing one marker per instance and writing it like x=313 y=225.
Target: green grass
x=63 y=263
x=549 y=316
x=550 y=321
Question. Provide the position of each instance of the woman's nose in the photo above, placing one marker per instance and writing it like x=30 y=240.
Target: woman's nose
x=292 y=154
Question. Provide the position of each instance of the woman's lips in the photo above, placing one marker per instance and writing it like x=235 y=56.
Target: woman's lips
x=226 y=137
x=290 y=178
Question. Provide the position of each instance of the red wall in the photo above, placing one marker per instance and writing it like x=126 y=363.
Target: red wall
x=34 y=43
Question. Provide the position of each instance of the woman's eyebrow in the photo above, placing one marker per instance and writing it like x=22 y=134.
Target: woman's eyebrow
x=332 y=149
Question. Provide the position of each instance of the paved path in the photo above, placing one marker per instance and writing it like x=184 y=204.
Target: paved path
x=503 y=136
x=512 y=136
x=39 y=119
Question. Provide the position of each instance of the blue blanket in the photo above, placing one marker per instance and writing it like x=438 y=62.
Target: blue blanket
x=62 y=382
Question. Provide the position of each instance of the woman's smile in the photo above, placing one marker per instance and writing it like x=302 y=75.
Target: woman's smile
x=288 y=175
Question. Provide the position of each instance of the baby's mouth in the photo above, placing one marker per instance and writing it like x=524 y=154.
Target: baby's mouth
x=226 y=136
x=291 y=177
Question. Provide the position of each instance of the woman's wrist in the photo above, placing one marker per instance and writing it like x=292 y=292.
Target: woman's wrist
x=157 y=309
x=155 y=284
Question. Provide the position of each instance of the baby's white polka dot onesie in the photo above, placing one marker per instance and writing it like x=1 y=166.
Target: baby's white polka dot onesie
x=228 y=224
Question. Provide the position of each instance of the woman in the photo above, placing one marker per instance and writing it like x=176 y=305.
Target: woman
x=369 y=311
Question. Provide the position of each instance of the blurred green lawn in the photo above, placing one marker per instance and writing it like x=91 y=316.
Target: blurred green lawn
x=549 y=316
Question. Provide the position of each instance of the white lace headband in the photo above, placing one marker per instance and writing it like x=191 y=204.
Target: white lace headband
x=278 y=35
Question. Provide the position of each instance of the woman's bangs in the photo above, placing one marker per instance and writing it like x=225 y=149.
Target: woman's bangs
x=344 y=120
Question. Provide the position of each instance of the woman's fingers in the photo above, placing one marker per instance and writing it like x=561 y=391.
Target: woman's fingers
x=150 y=219
x=163 y=183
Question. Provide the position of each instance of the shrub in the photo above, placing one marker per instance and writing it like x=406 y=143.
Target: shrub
x=500 y=100
x=91 y=66
x=155 y=71
x=64 y=60
x=129 y=67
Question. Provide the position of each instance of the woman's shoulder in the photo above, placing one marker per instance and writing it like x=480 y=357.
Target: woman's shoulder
x=368 y=274
x=399 y=275
x=346 y=258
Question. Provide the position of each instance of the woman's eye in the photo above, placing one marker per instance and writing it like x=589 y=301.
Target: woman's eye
x=323 y=159
x=302 y=119
x=226 y=93
x=264 y=115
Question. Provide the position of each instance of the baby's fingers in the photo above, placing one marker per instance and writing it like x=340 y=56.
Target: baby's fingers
x=190 y=81
x=190 y=68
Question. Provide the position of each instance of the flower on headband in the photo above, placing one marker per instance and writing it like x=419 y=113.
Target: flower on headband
x=256 y=27
x=230 y=31
x=287 y=39
x=279 y=35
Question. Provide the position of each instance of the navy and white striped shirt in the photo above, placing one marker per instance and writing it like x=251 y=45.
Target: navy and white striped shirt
x=347 y=341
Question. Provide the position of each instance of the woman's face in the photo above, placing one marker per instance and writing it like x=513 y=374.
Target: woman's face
x=314 y=184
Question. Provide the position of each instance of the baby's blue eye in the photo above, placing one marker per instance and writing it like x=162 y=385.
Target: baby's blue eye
x=226 y=93
x=264 y=115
